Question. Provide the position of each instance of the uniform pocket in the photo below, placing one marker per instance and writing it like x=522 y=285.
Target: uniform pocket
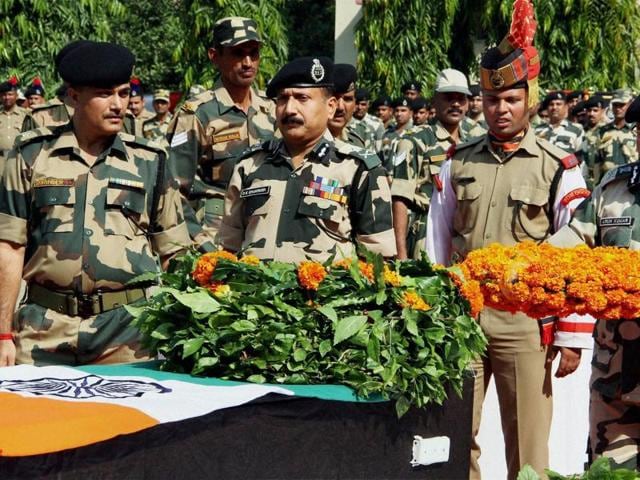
x=616 y=236
x=529 y=205
x=329 y=215
x=468 y=206
x=124 y=211
x=56 y=205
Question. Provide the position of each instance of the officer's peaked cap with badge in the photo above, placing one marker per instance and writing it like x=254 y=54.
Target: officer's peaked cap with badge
x=411 y=85
x=344 y=77
x=303 y=72
x=555 y=95
x=450 y=80
x=362 y=95
x=97 y=64
x=514 y=63
x=35 y=88
x=622 y=95
x=633 y=111
x=403 y=102
x=10 y=85
x=231 y=31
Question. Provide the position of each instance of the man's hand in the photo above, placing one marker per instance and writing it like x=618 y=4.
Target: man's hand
x=7 y=353
x=569 y=360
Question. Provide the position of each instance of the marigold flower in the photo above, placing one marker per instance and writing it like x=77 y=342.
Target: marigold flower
x=221 y=290
x=391 y=277
x=342 y=263
x=366 y=269
x=250 y=260
x=206 y=265
x=311 y=274
x=413 y=301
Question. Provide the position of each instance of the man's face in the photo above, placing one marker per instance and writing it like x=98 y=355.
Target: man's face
x=557 y=110
x=345 y=106
x=384 y=113
x=238 y=65
x=100 y=110
x=475 y=105
x=35 y=100
x=136 y=105
x=9 y=99
x=411 y=94
x=420 y=116
x=302 y=114
x=594 y=116
x=451 y=107
x=161 y=106
x=362 y=107
x=506 y=111
x=572 y=103
x=619 y=109
x=402 y=115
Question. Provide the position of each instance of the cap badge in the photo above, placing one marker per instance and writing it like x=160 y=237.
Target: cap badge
x=317 y=70
x=496 y=79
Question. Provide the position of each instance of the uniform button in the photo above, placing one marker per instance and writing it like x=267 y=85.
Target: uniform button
x=85 y=266
x=127 y=203
x=293 y=175
x=488 y=235
x=286 y=210
x=500 y=166
x=88 y=232
x=526 y=200
x=494 y=203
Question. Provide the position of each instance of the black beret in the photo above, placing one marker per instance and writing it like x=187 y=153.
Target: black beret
x=303 y=72
x=344 y=77
x=362 y=94
x=574 y=94
x=97 y=64
x=579 y=108
x=136 y=87
x=412 y=85
x=68 y=48
x=419 y=103
x=402 y=102
x=35 y=88
x=557 y=95
x=11 y=84
x=633 y=111
x=379 y=102
x=595 y=101
x=475 y=90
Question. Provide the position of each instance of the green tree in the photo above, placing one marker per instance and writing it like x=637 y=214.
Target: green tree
x=190 y=52
x=33 y=31
x=149 y=30
x=310 y=27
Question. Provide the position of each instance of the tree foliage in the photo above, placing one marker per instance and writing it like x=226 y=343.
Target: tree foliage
x=33 y=31
x=582 y=43
x=310 y=27
x=190 y=51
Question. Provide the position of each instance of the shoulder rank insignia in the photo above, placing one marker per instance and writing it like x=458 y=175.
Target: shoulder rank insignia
x=570 y=161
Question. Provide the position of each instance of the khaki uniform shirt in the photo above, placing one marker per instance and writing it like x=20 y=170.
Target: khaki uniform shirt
x=156 y=130
x=610 y=218
x=86 y=225
x=10 y=126
x=51 y=114
x=206 y=137
x=616 y=146
x=339 y=195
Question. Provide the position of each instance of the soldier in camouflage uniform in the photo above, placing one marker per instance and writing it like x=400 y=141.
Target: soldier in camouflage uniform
x=559 y=131
x=208 y=133
x=420 y=111
x=616 y=140
x=417 y=160
x=474 y=124
x=84 y=209
x=307 y=195
x=411 y=90
x=403 y=116
x=156 y=128
x=340 y=125
x=361 y=114
x=610 y=218
x=11 y=116
x=383 y=109
x=595 y=119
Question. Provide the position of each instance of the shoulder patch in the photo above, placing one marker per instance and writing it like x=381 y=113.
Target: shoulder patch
x=370 y=159
x=192 y=105
x=623 y=171
x=32 y=135
x=142 y=142
x=256 y=147
x=570 y=161
x=574 y=194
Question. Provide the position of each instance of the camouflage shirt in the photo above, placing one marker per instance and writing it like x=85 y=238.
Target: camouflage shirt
x=363 y=132
x=338 y=195
x=86 y=224
x=51 y=114
x=10 y=125
x=616 y=146
x=206 y=136
x=610 y=218
x=375 y=126
x=156 y=130
x=474 y=128
x=567 y=135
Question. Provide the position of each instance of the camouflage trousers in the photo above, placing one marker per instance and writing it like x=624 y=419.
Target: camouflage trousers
x=46 y=337
x=417 y=233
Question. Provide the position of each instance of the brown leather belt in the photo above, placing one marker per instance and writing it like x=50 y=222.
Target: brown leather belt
x=82 y=305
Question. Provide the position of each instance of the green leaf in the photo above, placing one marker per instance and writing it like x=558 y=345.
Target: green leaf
x=528 y=473
x=324 y=348
x=348 y=327
x=191 y=346
x=402 y=406
x=328 y=312
x=199 y=301
x=299 y=354
x=163 y=331
x=243 y=326
x=256 y=379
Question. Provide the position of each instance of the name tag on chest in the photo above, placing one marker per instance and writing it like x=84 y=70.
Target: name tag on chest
x=616 y=222
x=252 y=192
x=226 y=137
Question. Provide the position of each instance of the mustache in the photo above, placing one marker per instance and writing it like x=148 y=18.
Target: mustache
x=292 y=120
x=454 y=110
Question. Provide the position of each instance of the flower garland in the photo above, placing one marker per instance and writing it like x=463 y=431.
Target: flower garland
x=543 y=280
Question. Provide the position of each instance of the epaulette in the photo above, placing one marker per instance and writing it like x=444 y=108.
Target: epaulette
x=192 y=105
x=32 y=135
x=55 y=103
x=370 y=159
x=469 y=143
x=568 y=160
x=630 y=171
x=142 y=142
x=265 y=146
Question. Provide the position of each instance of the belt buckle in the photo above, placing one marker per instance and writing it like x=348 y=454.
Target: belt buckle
x=89 y=305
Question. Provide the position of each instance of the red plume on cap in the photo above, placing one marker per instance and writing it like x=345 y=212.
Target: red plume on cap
x=36 y=82
x=13 y=80
x=134 y=81
x=523 y=27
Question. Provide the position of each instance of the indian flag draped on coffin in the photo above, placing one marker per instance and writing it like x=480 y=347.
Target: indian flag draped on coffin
x=48 y=409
